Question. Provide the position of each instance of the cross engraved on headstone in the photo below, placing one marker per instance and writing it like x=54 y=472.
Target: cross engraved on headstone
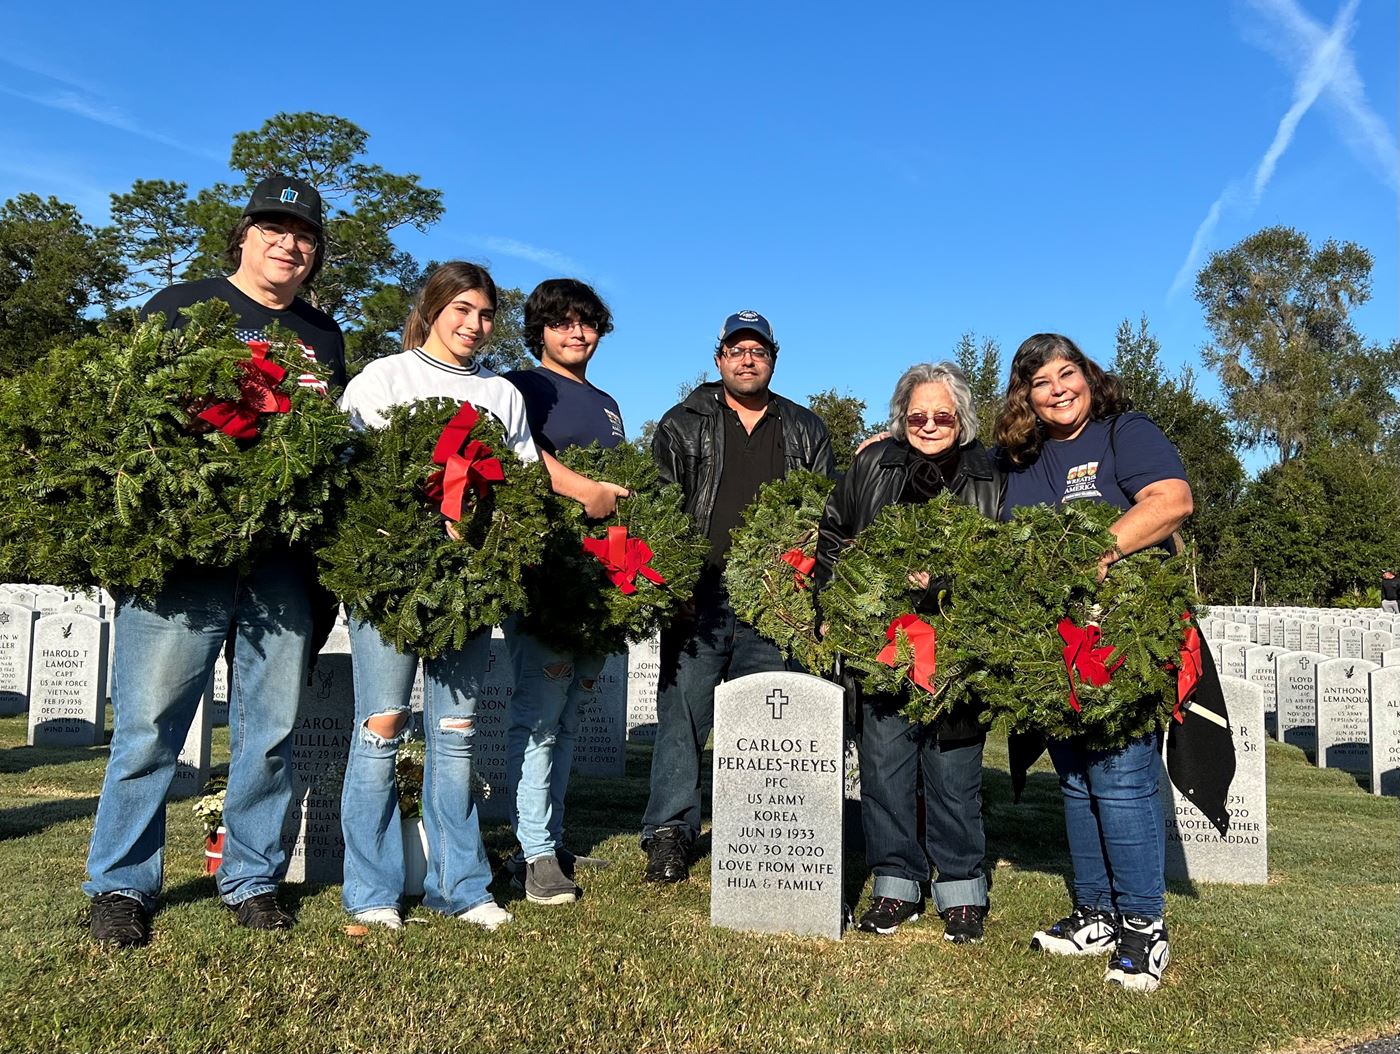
x=776 y=701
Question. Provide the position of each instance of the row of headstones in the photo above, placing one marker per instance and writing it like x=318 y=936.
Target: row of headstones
x=1344 y=712
x=1348 y=635
x=56 y=647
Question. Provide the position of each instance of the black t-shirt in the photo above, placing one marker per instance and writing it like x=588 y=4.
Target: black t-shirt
x=564 y=412
x=316 y=330
x=1390 y=588
x=751 y=459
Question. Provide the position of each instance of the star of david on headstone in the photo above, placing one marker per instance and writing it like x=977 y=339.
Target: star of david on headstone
x=4 y=618
x=776 y=701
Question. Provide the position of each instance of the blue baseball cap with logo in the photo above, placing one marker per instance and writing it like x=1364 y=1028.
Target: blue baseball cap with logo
x=751 y=321
x=286 y=196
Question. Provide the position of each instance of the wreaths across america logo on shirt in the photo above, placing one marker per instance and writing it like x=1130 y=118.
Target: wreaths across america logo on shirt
x=1082 y=481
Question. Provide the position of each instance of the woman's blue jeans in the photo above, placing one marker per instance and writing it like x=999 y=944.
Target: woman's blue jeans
x=1113 y=817
x=164 y=654
x=458 y=869
x=543 y=719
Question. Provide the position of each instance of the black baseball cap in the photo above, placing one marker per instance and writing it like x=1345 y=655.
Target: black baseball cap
x=287 y=196
x=750 y=320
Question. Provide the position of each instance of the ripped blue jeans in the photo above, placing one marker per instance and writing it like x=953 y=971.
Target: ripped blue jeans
x=543 y=724
x=458 y=869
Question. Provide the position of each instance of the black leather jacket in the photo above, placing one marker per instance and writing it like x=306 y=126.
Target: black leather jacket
x=689 y=446
x=877 y=478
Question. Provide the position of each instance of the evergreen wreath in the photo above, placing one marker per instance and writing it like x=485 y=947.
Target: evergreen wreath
x=128 y=452
x=391 y=559
x=870 y=590
x=606 y=582
x=1128 y=630
x=769 y=567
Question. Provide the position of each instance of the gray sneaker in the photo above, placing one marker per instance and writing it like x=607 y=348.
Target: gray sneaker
x=546 y=883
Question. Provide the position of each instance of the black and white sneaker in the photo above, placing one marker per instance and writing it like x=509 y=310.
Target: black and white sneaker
x=887 y=914
x=1085 y=931
x=1141 y=956
x=963 y=924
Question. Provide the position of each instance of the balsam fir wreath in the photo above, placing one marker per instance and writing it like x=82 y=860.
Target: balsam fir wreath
x=129 y=452
x=869 y=606
x=391 y=559
x=768 y=571
x=607 y=582
x=1084 y=659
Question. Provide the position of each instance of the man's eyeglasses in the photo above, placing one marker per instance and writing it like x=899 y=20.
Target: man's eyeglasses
x=735 y=354
x=568 y=325
x=273 y=233
x=918 y=419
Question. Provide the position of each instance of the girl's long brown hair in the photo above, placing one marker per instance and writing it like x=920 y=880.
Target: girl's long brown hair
x=1018 y=431
x=453 y=277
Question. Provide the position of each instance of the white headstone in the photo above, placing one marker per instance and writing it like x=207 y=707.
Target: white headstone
x=1259 y=669
x=1236 y=631
x=1344 y=715
x=68 y=685
x=16 y=649
x=1374 y=643
x=1351 y=642
x=1391 y=657
x=192 y=764
x=643 y=675
x=776 y=844
x=492 y=724
x=1297 y=698
x=1312 y=636
x=1330 y=640
x=600 y=749
x=216 y=694
x=1385 y=731
x=1196 y=850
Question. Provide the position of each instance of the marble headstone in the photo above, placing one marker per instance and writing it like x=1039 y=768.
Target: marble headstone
x=1231 y=655
x=1374 y=643
x=1351 y=642
x=1196 y=850
x=68 y=683
x=1311 y=636
x=1259 y=669
x=1344 y=715
x=776 y=845
x=1297 y=698
x=1385 y=731
x=600 y=749
x=643 y=675
x=192 y=764
x=16 y=649
x=1329 y=640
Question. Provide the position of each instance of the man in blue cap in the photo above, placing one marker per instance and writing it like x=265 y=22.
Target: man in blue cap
x=721 y=444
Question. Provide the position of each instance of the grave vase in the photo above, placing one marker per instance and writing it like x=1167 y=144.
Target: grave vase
x=415 y=855
x=214 y=851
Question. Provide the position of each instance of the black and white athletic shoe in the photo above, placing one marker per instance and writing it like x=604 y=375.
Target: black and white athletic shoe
x=1141 y=956
x=887 y=914
x=1085 y=931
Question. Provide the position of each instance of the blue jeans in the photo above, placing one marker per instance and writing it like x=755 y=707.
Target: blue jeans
x=543 y=722
x=1113 y=817
x=893 y=752
x=458 y=870
x=696 y=655
x=164 y=654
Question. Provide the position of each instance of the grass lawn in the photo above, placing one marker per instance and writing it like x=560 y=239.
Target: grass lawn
x=1307 y=962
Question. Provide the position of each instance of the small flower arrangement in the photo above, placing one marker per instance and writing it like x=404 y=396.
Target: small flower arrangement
x=210 y=806
x=408 y=772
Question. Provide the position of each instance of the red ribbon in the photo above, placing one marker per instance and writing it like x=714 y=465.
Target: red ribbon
x=625 y=558
x=257 y=396
x=923 y=642
x=1188 y=670
x=466 y=463
x=1082 y=656
x=802 y=566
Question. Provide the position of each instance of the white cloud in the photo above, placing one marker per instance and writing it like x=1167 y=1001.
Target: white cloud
x=534 y=253
x=82 y=104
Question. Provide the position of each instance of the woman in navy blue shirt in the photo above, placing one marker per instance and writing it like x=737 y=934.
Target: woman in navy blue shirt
x=1065 y=436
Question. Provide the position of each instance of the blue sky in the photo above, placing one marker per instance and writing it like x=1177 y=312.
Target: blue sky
x=875 y=178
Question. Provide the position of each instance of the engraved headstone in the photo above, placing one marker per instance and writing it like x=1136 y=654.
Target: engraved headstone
x=1312 y=635
x=1374 y=643
x=600 y=749
x=1232 y=657
x=68 y=683
x=192 y=764
x=1196 y=850
x=1293 y=634
x=1351 y=642
x=1297 y=698
x=16 y=649
x=216 y=694
x=1211 y=628
x=1391 y=657
x=23 y=595
x=1236 y=631
x=1344 y=715
x=1259 y=669
x=1329 y=640
x=321 y=740
x=83 y=606
x=492 y=724
x=1385 y=731
x=643 y=675
x=1276 y=632
x=776 y=844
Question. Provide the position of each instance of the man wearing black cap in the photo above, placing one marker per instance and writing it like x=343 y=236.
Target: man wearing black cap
x=166 y=646
x=722 y=443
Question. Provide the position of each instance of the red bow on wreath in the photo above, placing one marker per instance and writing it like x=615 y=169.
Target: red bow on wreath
x=625 y=558
x=466 y=463
x=802 y=566
x=1083 y=657
x=257 y=396
x=1188 y=669
x=923 y=642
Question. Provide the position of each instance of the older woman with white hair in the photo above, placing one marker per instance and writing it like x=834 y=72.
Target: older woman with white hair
x=932 y=447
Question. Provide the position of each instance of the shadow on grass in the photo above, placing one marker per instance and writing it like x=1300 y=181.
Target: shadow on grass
x=16 y=760
x=31 y=819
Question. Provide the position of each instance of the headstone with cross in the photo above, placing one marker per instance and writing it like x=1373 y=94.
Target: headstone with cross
x=1297 y=698
x=776 y=843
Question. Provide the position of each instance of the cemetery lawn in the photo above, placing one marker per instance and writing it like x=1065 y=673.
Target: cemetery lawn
x=1307 y=962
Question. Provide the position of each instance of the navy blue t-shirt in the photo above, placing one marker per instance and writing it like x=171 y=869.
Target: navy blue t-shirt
x=564 y=412
x=1088 y=467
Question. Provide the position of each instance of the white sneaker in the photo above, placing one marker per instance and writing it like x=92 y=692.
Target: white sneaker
x=1085 y=931
x=389 y=918
x=1141 y=956
x=488 y=916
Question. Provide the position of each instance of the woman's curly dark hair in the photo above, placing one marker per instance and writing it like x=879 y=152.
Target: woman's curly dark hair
x=555 y=300
x=1019 y=433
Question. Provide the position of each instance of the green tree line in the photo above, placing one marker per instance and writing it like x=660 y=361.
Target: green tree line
x=1299 y=383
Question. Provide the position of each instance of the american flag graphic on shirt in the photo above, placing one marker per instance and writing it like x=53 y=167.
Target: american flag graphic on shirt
x=306 y=380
